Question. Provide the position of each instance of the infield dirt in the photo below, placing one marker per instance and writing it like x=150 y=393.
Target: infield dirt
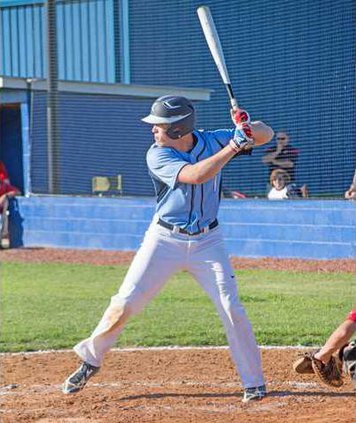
x=101 y=257
x=160 y=386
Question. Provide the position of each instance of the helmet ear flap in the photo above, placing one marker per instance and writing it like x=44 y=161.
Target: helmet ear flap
x=182 y=127
x=174 y=132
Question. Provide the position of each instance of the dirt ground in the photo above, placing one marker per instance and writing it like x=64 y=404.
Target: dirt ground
x=166 y=385
x=101 y=257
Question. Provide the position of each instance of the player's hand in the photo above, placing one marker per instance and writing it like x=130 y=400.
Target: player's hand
x=239 y=116
x=242 y=139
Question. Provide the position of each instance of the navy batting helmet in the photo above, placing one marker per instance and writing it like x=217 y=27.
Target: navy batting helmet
x=178 y=112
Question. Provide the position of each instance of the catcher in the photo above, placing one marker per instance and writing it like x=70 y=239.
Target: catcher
x=328 y=367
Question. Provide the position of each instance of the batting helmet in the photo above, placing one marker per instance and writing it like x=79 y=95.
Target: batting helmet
x=177 y=112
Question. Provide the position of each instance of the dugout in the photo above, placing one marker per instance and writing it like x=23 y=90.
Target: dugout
x=11 y=137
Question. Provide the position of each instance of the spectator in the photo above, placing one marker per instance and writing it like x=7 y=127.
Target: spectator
x=6 y=191
x=350 y=194
x=282 y=156
x=282 y=188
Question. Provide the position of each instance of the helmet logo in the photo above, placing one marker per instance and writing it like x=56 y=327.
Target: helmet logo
x=170 y=106
x=175 y=111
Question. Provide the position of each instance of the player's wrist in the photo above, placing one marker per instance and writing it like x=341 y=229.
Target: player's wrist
x=243 y=138
x=234 y=147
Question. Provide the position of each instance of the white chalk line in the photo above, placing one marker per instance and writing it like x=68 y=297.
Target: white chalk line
x=167 y=348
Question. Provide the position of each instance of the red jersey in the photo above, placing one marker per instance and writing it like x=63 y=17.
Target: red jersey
x=3 y=172
x=5 y=187
x=352 y=316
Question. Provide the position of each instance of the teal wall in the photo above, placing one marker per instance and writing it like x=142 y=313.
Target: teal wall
x=252 y=228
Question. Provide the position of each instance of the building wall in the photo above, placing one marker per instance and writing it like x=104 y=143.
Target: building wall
x=99 y=136
x=290 y=62
x=85 y=33
x=255 y=228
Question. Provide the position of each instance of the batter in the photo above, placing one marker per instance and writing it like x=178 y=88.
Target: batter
x=185 y=166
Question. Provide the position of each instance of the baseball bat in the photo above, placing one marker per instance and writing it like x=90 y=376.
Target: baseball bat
x=212 y=38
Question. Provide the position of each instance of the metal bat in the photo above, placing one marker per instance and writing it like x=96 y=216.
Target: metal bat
x=212 y=38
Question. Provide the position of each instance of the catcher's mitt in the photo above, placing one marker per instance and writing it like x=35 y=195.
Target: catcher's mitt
x=329 y=374
x=304 y=364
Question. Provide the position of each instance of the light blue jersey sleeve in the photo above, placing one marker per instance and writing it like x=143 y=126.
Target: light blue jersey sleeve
x=221 y=136
x=165 y=164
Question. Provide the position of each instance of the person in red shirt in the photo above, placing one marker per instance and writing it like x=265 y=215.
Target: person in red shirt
x=6 y=191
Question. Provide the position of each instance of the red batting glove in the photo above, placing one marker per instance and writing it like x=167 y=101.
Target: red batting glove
x=246 y=128
x=241 y=116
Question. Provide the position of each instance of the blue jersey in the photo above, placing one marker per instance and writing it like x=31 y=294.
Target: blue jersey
x=188 y=206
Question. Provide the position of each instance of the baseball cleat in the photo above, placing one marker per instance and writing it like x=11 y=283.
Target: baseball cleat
x=254 y=394
x=77 y=380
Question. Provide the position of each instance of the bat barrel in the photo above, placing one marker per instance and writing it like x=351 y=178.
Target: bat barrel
x=212 y=38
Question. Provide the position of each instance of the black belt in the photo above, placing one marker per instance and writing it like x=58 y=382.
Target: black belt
x=184 y=231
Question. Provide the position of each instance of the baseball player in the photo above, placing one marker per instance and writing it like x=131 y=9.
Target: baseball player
x=185 y=165
x=323 y=363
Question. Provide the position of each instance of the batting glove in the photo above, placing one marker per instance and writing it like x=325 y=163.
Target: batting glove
x=242 y=140
x=241 y=116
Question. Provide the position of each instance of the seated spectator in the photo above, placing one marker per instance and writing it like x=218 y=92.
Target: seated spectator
x=282 y=156
x=282 y=188
x=350 y=194
x=6 y=191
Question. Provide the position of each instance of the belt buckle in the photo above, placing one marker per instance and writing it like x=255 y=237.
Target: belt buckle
x=175 y=229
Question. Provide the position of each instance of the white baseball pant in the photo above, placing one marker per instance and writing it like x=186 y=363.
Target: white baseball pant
x=162 y=254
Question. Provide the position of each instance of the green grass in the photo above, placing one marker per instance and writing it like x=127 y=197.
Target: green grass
x=44 y=306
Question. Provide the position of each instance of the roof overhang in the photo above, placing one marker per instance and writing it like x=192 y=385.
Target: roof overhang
x=126 y=90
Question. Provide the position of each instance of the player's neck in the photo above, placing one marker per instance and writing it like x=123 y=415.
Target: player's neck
x=186 y=143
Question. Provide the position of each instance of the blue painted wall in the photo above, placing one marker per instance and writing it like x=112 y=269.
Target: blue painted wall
x=99 y=136
x=290 y=62
x=22 y=50
x=252 y=228
x=85 y=40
